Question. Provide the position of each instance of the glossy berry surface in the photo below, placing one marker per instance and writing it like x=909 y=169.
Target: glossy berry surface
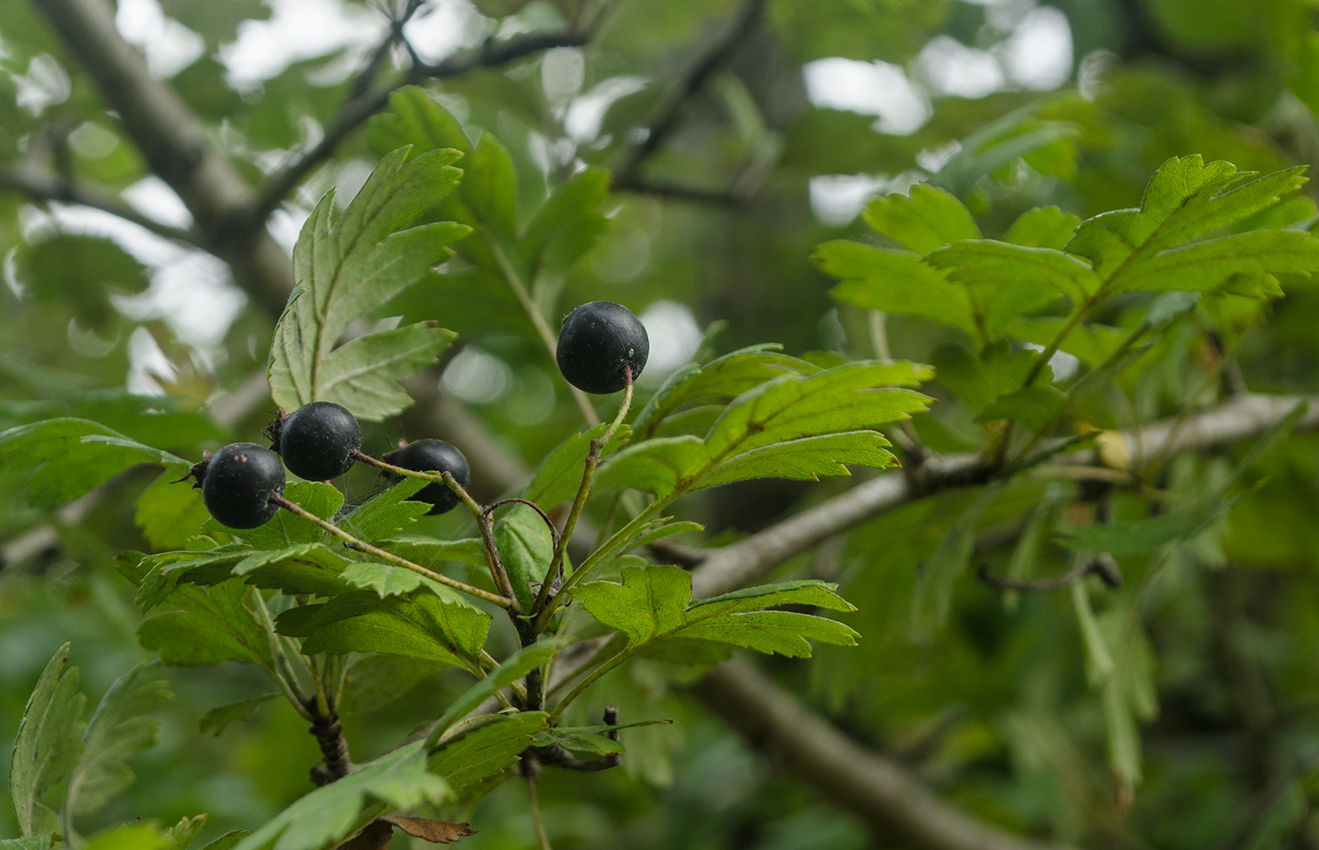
x=238 y=483
x=433 y=456
x=318 y=440
x=599 y=344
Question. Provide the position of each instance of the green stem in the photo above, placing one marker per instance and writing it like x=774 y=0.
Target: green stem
x=583 y=492
x=282 y=673
x=389 y=557
x=533 y=313
x=590 y=680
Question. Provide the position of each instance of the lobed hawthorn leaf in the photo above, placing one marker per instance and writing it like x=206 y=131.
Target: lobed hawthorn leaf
x=213 y=625
x=349 y=266
x=44 y=841
x=433 y=624
x=924 y=219
x=70 y=457
x=387 y=513
x=1044 y=227
x=288 y=529
x=118 y=730
x=432 y=553
x=1006 y=281
x=1207 y=266
x=655 y=603
x=725 y=377
x=560 y=475
x=895 y=282
x=805 y=459
x=490 y=747
x=328 y=815
x=49 y=743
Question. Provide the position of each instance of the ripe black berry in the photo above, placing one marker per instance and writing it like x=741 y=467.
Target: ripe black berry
x=238 y=483
x=317 y=441
x=433 y=456
x=599 y=344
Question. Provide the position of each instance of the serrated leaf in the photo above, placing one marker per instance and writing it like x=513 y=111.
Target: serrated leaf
x=655 y=603
x=661 y=466
x=490 y=748
x=118 y=730
x=363 y=373
x=567 y=223
x=388 y=512
x=805 y=459
x=44 y=841
x=895 y=282
x=725 y=377
x=1208 y=266
x=1048 y=227
x=429 y=625
x=218 y=719
x=181 y=835
x=214 y=625
x=169 y=514
x=510 y=670
x=72 y=456
x=346 y=268
x=1008 y=280
x=489 y=187
x=432 y=553
x=525 y=548
x=304 y=568
x=415 y=118
x=331 y=813
x=49 y=742
x=926 y=219
x=560 y=475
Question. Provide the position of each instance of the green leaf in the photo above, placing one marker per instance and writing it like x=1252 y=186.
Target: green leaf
x=486 y=749
x=169 y=514
x=82 y=273
x=526 y=548
x=932 y=598
x=331 y=813
x=44 y=841
x=432 y=553
x=214 y=625
x=662 y=466
x=1049 y=227
x=1008 y=280
x=49 y=742
x=559 y=477
x=513 y=668
x=217 y=719
x=490 y=187
x=415 y=118
x=724 y=378
x=1208 y=266
x=567 y=223
x=805 y=459
x=655 y=603
x=1186 y=200
x=927 y=219
x=387 y=513
x=895 y=282
x=118 y=730
x=1037 y=406
x=136 y=837
x=228 y=840
x=298 y=569
x=963 y=373
x=433 y=624
x=345 y=269
x=73 y=456
x=363 y=373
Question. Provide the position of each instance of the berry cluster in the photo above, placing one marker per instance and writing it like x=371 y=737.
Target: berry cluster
x=602 y=348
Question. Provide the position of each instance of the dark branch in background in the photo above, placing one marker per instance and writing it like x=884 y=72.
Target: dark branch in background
x=900 y=808
x=678 y=192
x=1101 y=565
x=628 y=175
x=44 y=187
x=491 y=54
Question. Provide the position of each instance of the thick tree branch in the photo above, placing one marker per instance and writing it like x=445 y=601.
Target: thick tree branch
x=670 y=113
x=44 y=187
x=901 y=809
x=491 y=54
x=744 y=562
x=176 y=146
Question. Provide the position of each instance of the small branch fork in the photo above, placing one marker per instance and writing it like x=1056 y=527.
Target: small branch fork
x=1101 y=565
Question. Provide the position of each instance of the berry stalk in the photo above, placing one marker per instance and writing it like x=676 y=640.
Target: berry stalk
x=389 y=557
x=588 y=473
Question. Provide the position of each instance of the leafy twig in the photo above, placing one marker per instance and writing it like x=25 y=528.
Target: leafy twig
x=1101 y=565
x=389 y=557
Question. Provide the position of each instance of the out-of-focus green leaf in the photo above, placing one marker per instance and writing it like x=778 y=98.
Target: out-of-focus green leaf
x=218 y=719
x=1037 y=406
x=49 y=743
x=1048 y=227
x=926 y=219
x=118 y=730
x=81 y=272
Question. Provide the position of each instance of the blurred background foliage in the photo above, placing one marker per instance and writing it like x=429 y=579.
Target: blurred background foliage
x=740 y=136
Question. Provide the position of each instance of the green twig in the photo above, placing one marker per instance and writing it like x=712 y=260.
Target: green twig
x=584 y=491
x=389 y=557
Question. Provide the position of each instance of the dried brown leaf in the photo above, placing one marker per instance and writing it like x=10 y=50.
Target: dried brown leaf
x=434 y=831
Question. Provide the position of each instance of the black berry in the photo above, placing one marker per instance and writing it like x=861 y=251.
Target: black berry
x=433 y=456
x=599 y=345
x=239 y=483
x=318 y=441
